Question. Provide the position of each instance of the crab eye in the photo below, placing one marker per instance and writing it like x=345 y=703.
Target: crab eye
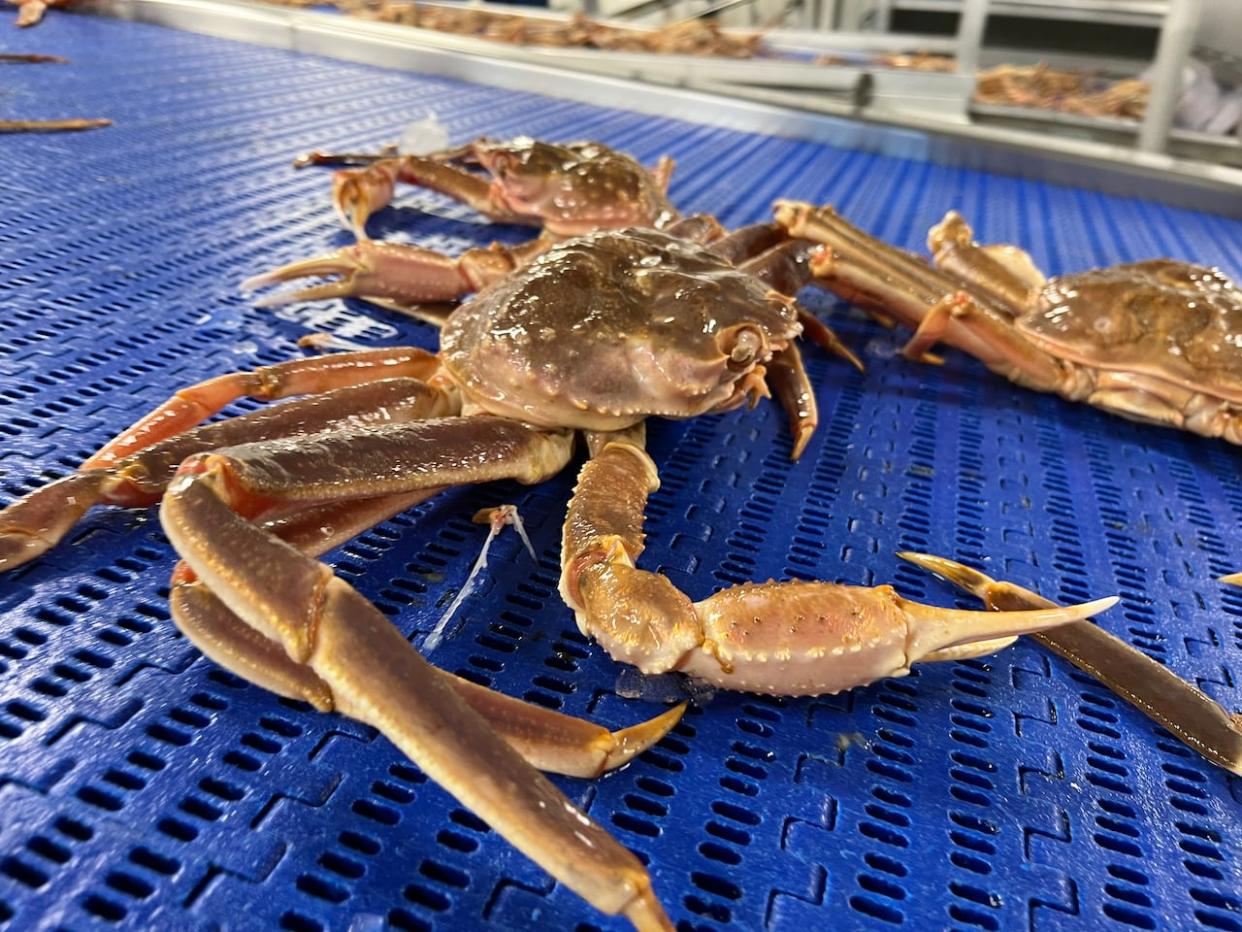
x=743 y=345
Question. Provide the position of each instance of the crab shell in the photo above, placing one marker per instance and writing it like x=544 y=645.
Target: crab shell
x=1160 y=319
x=574 y=188
x=608 y=329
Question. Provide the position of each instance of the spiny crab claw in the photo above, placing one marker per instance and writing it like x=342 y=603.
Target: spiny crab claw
x=358 y=193
x=387 y=271
x=788 y=638
x=811 y=638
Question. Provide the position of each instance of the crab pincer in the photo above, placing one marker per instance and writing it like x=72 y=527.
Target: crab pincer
x=789 y=638
x=397 y=276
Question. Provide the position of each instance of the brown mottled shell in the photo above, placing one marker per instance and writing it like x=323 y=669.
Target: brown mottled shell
x=607 y=329
x=584 y=183
x=1172 y=320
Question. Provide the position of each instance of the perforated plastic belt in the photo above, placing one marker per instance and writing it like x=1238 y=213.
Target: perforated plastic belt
x=142 y=787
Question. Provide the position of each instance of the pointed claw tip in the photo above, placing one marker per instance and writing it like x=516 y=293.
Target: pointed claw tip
x=632 y=741
x=1233 y=579
x=255 y=282
x=1087 y=609
x=276 y=300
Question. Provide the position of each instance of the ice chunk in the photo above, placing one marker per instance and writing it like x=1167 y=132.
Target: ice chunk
x=423 y=137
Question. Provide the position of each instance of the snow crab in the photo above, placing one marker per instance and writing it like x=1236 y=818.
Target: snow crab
x=567 y=190
x=595 y=336
x=1158 y=341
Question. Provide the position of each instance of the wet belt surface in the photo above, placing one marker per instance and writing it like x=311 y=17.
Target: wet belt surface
x=140 y=786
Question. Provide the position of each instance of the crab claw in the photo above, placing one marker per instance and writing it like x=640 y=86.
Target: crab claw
x=388 y=271
x=799 y=638
x=357 y=193
x=788 y=638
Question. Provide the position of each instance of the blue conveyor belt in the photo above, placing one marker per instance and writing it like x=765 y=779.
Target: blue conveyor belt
x=142 y=787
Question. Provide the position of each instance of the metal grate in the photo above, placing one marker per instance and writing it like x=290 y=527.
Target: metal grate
x=140 y=786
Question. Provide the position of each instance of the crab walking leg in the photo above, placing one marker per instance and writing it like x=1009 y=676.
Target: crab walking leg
x=748 y=241
x=53 y=126
x=192 y=405
x=663 y=172
x=1149 y=686
x=358 y=193
x=549 y=741
x=34 y=524
x=796 y=395
x=903 y=270
x=373 y=673
x=958 y=320
x=786 y=267
x=397 y=273
x=792 y=638
x=1005 y=274
x=698 y=228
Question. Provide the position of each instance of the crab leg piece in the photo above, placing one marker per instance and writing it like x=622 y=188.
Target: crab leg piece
x=1005 y=274
x=373 y=673
x=192 y=405
x=34 y=524
x=1149 y=686
x=52 y=126
x=789 y=639
x=549 y=741
x=1233 y=579
x=397 y=275
x=787 y=269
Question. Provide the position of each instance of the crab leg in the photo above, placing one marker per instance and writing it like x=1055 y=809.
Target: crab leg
x=397 y=275
x=357 y=193
x=663 y=172
x=787 y=269
x=371 y=670
x=698 y=228
x=548 y=740
x=52 y=126
x=1233 y=579
x=796 y=395
x=872 y=274
x=192 y=405
x=1005 y=274
x=746 y=242
x=34 y=524
x=1149 y=686
x=897 y=268
x=792 y=638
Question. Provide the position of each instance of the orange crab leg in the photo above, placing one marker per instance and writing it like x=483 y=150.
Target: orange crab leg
x=357 y=193
x=1149 y=686
x=794 y=638
x=190 y=406
x=34 y=524
x=372 y=672
x=793 y=390
x=549 y=741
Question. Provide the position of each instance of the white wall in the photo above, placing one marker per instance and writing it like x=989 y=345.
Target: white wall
x=1221 y=27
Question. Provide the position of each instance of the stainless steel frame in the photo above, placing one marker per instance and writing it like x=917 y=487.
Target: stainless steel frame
x=679 y=92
